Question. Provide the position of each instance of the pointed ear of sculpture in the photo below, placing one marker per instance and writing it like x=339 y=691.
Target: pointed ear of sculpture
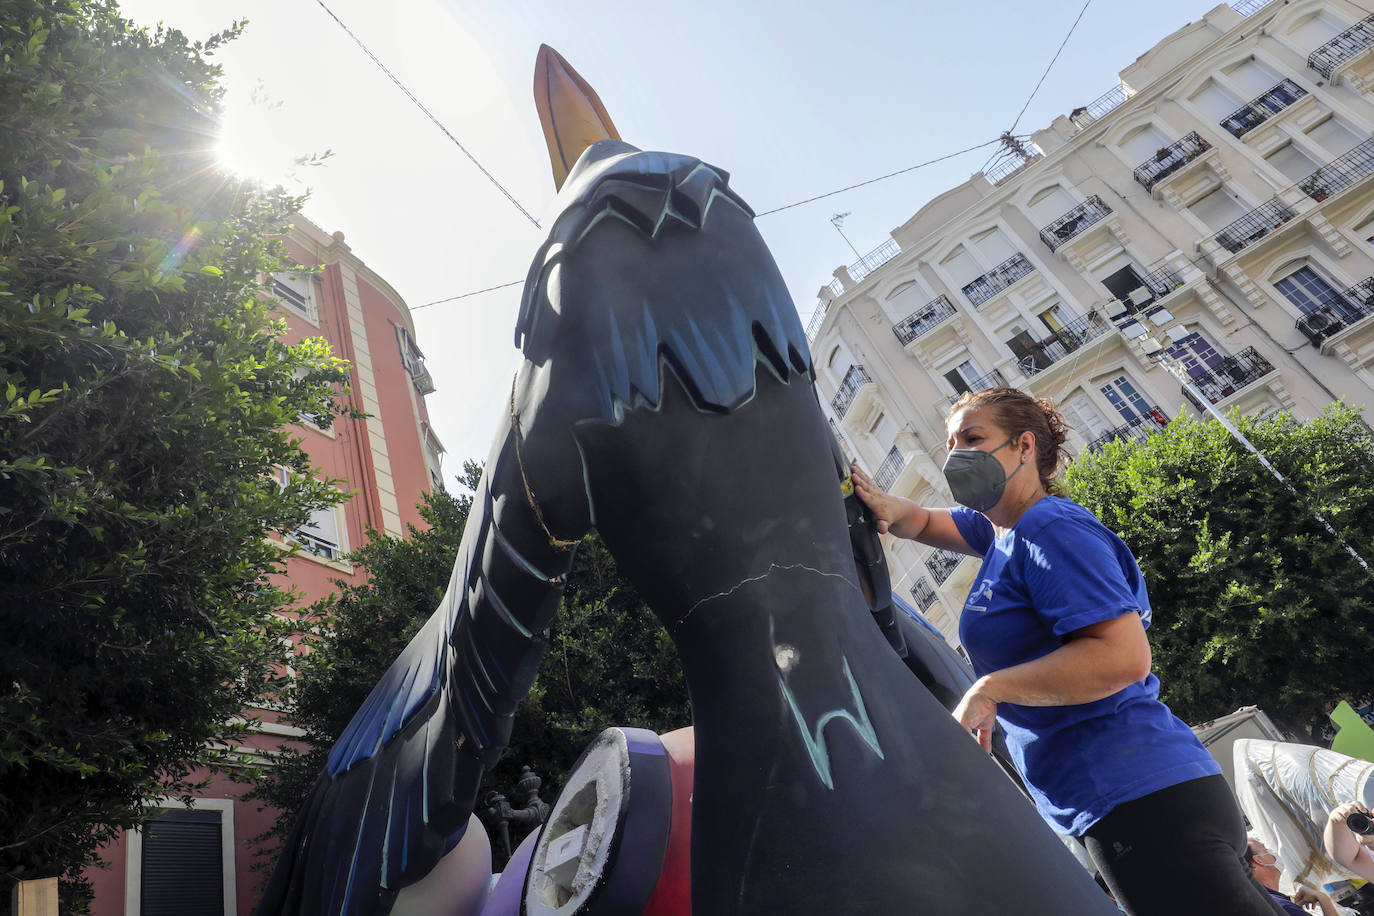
x=569 y=110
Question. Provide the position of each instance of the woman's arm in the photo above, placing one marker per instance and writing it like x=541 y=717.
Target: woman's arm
x=1341 y=844
x=904 y=518
x=1096 y=662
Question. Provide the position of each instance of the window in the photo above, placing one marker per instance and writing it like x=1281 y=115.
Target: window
x=1333 y=136
x=994 y=246
x=1083 y=417
x=1311 y=293
x=1197 y=356
x=961 y=266
x=1218 y=209
x=320 y=535
x=1050 y=204
x=1292 y=162
x=182 y=862
x=964 y=377
x=1216 y=103
x=1315 y=31
x=1251 y=77
x=294 y=291
x=1122 y=395
x=1142 y=144
x=414 y=361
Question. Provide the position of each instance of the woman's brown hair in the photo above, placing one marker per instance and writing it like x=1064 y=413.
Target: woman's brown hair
x=1017 y=413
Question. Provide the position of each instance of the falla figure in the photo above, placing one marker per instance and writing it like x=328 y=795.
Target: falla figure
x=666 y=400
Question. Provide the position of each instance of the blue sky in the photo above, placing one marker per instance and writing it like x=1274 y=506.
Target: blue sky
x=792 y=99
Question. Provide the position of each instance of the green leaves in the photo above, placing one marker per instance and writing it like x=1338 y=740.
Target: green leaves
x=143 y=398
x=1254 y=602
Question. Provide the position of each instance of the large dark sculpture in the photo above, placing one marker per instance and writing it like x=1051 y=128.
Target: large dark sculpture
x=666 y=399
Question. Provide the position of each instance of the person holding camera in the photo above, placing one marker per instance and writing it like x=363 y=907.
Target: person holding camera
x=1055 y=628
x=1347 y=837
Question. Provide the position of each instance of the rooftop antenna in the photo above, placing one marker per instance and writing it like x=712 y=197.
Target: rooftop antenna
x=837 y=220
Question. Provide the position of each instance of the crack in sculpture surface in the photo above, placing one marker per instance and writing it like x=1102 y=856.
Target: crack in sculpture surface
x=666 y=398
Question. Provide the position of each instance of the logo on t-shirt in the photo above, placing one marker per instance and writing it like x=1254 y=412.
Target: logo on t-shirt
x=982 y=593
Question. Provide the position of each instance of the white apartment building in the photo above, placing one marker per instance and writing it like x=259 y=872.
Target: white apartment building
x=1222 y=193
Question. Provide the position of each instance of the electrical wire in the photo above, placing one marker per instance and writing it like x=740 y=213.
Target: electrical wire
x=808 y=200
x=1086 y=4
x=429 y=114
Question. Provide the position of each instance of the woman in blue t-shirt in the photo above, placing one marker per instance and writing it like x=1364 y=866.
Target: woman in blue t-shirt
x=1055 y=628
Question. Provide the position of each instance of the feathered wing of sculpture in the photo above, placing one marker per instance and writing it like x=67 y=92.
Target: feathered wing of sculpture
x=666 y=398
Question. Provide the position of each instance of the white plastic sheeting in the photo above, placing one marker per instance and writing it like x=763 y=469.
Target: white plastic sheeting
x=1287 y=790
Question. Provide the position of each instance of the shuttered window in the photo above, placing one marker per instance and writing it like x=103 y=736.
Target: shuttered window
x=183 y=865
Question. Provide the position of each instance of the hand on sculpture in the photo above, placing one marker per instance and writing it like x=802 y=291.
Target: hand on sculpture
x=977 y=713
x=886 y=508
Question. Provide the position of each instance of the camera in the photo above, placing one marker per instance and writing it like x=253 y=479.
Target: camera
x=1360 y=823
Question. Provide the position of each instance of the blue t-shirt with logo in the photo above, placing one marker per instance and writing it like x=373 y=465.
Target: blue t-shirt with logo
x=1058 y=570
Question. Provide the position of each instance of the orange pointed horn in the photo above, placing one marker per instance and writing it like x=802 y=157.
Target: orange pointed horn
x=569 y=110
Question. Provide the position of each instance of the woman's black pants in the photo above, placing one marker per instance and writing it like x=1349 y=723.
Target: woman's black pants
x=1179 y=851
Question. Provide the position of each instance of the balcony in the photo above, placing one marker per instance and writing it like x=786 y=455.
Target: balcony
x=941 y=563
x=1344 y=46
x=835 y=429
x=1035 y=356
x=1254 y=225
x=923 y=593
x=1249 y=7
x=1338 y=311
x=919 y=322
x=1230 y=376
x=993 y=379
x=873 y=260
x=1007 y=168
x=1340 y=173
x=1162 y=281
x=1135 y=430
x=999 y=278
x=1074 y=222
x=1252 y=115
x=1170 y=159
x=887 y=472
x=854 y=379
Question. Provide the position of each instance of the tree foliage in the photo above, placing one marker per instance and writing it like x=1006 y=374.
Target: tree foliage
x=608 y=661
x=1254 y=601
x=143 y=404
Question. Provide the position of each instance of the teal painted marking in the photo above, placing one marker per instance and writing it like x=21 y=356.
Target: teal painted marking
x=815 y=741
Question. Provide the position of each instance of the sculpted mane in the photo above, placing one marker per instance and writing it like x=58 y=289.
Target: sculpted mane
x=656 y=195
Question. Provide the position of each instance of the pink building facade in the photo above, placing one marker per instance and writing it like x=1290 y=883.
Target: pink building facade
x=199 y=860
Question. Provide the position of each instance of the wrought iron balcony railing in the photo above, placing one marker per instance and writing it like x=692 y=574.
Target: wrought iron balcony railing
x=993 y=379
x=1231 y=375
x=854 y=379
x=1337 y=311
x=923 y=593
x=835 y=429
x=1254 y=113
x=999 y=278
x=1074 y=222
x=1254 y=225
x=1137 y=429
x=923 y=320
x=1038 y=355
x=1344 y=46
x=873 y=260
x=1170 y=159
x=941 y=563
x=892 y=466
x=1247 y=7
x=1007 y=168
x=1340 y=173
x=1162 y=281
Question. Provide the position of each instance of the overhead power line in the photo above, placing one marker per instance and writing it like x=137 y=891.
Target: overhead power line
x=912 y=168
x=1086 y=4
x=429 y=114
